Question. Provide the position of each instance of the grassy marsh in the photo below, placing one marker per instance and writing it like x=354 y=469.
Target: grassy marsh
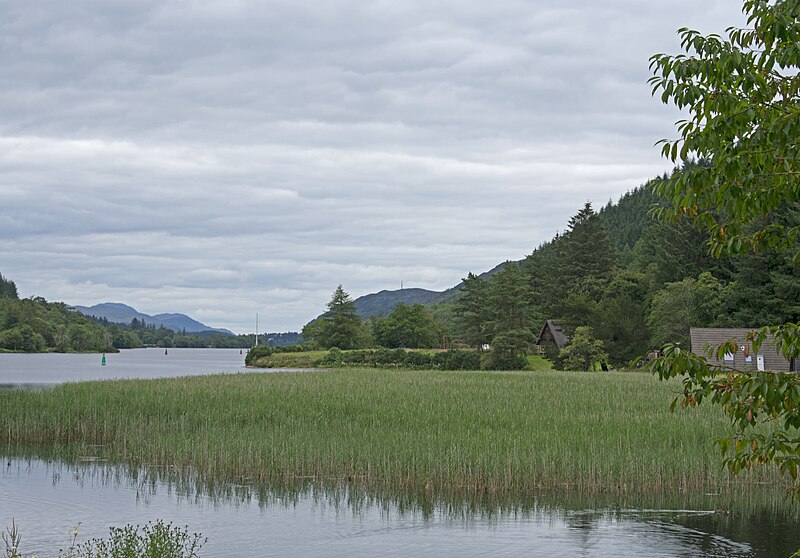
x=498 y=432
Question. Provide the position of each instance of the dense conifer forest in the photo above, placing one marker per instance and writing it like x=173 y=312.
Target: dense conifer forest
x=630 y=282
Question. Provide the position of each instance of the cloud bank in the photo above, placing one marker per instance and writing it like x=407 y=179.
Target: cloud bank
x=222 y=158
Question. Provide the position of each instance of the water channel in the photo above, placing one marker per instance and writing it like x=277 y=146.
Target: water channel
x=42 y=369
x=47 y=497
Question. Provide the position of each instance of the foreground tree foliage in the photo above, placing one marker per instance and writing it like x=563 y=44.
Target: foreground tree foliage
x=742 y=93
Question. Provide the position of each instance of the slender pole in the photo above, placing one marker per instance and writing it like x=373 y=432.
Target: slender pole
x=256 y=329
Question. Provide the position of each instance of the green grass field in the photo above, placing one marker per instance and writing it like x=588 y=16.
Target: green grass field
x=443 y=431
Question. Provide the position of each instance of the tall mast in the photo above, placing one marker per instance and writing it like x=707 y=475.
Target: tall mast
x=256 y=329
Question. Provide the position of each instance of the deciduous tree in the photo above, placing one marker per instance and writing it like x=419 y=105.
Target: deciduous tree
x=583 y=351
x=410 y=327
x=742 y=94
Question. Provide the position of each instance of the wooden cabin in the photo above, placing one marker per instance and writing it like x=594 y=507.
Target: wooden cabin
x=768 y=357
x=552 y=333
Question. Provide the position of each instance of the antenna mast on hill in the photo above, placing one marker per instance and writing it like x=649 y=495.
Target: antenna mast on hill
x=256 y=329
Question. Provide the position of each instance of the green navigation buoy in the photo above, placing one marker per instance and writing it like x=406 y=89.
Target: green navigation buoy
x=103 y=360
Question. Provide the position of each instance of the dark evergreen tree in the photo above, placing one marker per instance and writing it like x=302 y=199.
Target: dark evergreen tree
x=765 y=291
x=619 y=318
x=583 y=270
x=671 y=252
x=586 y=249
x=541 y=269
x=627 y=219
x=7 y=288
x=511 y=318
x=472 y=311
x=340 y=326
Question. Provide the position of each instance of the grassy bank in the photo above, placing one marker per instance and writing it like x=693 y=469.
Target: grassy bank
x=387 y=358
x=305 y=359
x=467 y=431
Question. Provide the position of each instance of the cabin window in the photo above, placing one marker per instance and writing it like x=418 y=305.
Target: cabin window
x=748 y=359
x=727 y=357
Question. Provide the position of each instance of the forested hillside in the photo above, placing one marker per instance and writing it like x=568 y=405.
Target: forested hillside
x=630 y=282
x=33 y=325
x=618 y=282
x=36 y=325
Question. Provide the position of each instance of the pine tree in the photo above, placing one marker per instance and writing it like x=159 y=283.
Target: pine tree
x=7 y=288
x=342 y=327
x=509 y=298
x=472 y=311
x=587 y=251
x=584 y=262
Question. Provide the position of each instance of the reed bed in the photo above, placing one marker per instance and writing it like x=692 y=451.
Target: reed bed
x=481 y=432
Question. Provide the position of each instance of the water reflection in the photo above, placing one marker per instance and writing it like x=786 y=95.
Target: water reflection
x=310 y=519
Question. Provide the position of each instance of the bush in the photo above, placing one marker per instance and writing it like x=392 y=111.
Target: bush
x=418 y=360
x=154 y=540
x=458 y=360
x=496 y=360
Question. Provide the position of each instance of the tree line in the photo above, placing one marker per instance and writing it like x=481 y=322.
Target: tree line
x=36 y=325
x=139 y=334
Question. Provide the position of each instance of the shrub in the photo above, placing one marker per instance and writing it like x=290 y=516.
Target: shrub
x=418 y=360
x=154 y=540
x=458 y=360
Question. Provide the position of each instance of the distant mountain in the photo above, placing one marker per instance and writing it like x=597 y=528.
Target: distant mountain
x=124 y=314
x=383 y=302
x=179 y=322
x=379 y=304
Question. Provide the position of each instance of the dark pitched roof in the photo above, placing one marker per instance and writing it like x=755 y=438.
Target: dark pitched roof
x=714 y=336
x=553 y=332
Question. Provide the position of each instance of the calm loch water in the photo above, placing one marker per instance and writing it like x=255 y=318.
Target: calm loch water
x=55 y=368
x=46 y=499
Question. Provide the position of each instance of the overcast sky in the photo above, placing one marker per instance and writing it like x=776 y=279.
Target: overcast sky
x=223 y=158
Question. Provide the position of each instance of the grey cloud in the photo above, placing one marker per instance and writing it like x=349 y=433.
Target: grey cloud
x=217 y=157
